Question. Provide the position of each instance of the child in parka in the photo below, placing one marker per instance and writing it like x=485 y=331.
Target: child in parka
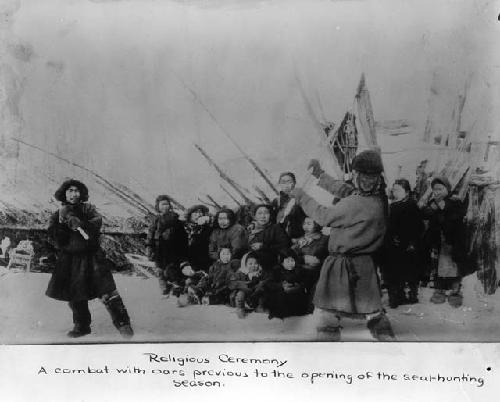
x=244 y=285
x=286 y=294
x=214 y=288
x=311 y=249
x=401 y=264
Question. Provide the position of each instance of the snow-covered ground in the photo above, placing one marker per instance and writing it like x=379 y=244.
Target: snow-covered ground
x=28 y=316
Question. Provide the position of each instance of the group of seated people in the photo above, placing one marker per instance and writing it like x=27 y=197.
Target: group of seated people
x=206 y=260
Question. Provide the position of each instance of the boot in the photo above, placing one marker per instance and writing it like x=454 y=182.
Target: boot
x=393 y=298
x=182 y=301
x=438 y=297
x=81 y=318
x=413 y=294
x=328 y=333
x=241 y=312
x=193 y=298
x=403 y=300
x=176 y=290
x=232 y=299
x=381 y=329
x=121 y=320
x=126 y=331
x=165 y=287
x=397 y=297
x=455 y=299
x=259 y=307
x=78 y=331
x=239 y=301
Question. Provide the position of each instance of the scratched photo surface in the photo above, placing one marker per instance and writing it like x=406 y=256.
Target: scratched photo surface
x=208 y=102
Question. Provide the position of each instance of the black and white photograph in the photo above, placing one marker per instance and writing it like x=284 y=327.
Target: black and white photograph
x=249 y=171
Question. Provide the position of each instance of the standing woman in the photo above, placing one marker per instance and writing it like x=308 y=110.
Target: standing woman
x=227 y=232
x=167 y=245
x=401 y=265
x=446 y=238
x=198 y=231
x=292 y=222
x=80 y=273
x=348 y=284
x=266 y=238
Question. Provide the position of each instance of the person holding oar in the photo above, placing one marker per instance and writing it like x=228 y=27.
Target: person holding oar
x=292 y=221
x=348 y=285
x=81 y=273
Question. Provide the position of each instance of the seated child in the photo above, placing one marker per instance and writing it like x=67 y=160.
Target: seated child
x=213 y=288
x=244 y=285
x=312 y=249
x=286 y=293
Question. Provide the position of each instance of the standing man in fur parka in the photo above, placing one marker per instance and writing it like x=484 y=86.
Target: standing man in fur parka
x=80 y=273
x=348 y=284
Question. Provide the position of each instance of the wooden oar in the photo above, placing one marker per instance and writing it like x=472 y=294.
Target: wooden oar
x=82 y=232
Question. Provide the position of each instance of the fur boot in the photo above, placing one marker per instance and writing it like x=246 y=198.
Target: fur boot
x=381 y=329
x=119 y=315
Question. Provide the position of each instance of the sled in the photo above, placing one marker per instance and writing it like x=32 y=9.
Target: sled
x=21 y=257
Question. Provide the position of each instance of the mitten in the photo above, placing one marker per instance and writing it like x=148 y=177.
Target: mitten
x=73 y=222
x=64 y=213
x=315 y=166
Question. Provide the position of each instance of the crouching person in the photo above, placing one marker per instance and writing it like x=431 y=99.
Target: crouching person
x=80 y=273
x=192 y=279
x=167 y=245
x=244 y=285
x=214 y=288
x=348 y=283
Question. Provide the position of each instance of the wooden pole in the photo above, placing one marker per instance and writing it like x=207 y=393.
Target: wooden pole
x=105 y=182
x=228 y=135
x=320 y=129
x=209 y=204
x=262 y=194
x=223 y=174
x=365 y=113
x=231 y=196
x=211 y=199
